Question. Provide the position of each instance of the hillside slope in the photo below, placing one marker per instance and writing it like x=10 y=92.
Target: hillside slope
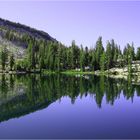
x=23 y=29
x=15 y=35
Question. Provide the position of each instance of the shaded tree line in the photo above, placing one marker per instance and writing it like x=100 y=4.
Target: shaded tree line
x=55 y=56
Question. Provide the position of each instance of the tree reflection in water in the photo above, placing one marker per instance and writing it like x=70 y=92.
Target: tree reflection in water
x=23 y=94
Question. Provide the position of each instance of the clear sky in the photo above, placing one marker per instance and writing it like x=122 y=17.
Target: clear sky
x=83 y=21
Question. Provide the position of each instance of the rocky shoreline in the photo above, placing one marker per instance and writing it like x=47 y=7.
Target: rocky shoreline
x=122 y=73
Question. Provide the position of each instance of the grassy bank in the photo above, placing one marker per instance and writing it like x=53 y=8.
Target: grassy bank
x=43 y=71
x=73 y=72
x=68 y=72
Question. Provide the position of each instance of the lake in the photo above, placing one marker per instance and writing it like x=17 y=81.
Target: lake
x=60 y=106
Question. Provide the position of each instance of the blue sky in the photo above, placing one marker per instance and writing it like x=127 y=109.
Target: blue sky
x=82 y=21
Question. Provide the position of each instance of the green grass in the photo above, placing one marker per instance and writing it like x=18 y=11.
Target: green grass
x=73 y=72
x=68 y=72
x=47 y=72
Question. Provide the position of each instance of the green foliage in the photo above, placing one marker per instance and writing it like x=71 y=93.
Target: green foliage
x=129 y=53
x=54 y=56
x=138 y=53
x=109 y=55
x=4 y=57
x=103 y=62
x=41 y=55
x=12 y=61
x=31 y=55
x=98 y=51
x=82 y=58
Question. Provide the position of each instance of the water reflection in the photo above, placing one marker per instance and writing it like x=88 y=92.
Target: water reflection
x=20 y=95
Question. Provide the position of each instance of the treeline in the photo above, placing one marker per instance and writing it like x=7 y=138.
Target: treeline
x=54 y=56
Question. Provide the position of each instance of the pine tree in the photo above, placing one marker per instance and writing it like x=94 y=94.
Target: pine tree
x=41 y=56
x=91 y=59
x=58 y=58
x=70 y=58
x=86 y=58
x=98 y=51
x=103 y=62
x=12 y=61
x=138 y=53
x=31 y=55
x=108 y=55
x=129 y=65
x=75 y=55
x=4 y=57
x=82 y=56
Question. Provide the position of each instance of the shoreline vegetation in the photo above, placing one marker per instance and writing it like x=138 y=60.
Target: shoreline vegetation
x=115 y=73
x=50 y=57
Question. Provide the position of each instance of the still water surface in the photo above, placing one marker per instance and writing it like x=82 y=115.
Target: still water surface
x=59 y=106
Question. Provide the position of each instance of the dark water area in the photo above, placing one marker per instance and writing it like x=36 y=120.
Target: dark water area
x=60 y=106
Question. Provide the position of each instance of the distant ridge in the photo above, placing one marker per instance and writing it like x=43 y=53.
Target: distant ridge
x=20 y=28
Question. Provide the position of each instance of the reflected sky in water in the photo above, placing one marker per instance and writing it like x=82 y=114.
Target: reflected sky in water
x=81 y=118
